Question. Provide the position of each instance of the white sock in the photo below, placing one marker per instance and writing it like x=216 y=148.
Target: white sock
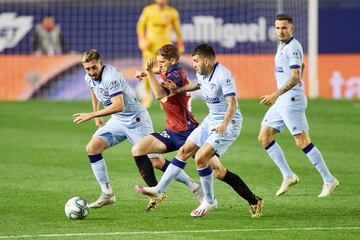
x=185 y=179
x=182 y=178
x=317 y=160
x=171 y=172
x=207 y=183
x=277 y=155
x=101 y=174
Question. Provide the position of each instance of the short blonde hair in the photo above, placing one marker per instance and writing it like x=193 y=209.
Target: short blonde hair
x=90 y=55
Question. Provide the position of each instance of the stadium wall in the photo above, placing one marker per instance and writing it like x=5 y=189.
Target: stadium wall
x=241 y=32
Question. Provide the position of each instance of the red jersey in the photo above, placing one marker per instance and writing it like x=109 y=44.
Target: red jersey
x=177 y=108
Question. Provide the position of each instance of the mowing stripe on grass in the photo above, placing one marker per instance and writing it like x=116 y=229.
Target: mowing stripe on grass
x=184 y=231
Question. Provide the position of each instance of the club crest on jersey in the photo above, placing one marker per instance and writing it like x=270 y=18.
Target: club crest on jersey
x=296 y=54
x=213 y=87
x=103 y=92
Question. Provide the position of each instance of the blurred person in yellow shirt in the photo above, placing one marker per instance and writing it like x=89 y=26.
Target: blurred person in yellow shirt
x=154 y=28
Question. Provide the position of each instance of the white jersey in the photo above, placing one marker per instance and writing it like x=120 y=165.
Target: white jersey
x=289 y=55
x=215 y=88
x=111 y=84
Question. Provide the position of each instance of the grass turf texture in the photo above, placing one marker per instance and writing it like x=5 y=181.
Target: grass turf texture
x=44 y=163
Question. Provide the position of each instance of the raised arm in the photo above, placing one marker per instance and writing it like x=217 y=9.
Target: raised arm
x=157 y=89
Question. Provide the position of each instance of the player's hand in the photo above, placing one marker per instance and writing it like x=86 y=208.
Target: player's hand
x=268 y=99
x=82 y=117
x=220 y=129
x=171 y=86
x=99 y=122
x=140 y=75
x=151 y=64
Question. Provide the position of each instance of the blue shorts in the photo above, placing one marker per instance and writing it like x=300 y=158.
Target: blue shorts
x=173 y=140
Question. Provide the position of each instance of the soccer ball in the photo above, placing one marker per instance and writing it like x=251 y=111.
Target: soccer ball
x=76 y=208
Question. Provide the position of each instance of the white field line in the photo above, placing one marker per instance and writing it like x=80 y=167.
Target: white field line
x=309 y=229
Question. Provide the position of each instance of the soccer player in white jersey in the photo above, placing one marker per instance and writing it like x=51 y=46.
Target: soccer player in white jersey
x=129 y=120
x=213 y=136
x=288 y=104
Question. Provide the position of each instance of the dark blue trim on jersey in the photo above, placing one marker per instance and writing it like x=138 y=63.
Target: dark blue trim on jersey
x=308 y=148
x=270 y=145
x=229 y=94
x=289 y=40
x=105 y=104
x=212 y=73
x=115 y=94
x=178 y=163
x=294 y=66
x=102 y=71
x=213 y=102
x=205 y=172
x=95 y=158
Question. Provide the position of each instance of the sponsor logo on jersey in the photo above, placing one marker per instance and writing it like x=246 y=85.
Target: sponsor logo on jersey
x=212 y=99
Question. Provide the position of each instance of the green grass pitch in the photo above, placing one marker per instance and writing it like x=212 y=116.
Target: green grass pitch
x=43 y=163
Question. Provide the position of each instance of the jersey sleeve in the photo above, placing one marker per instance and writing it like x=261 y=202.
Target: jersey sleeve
x=88 y=82
x=227 y=83
x=114 y=85
x=295 y=57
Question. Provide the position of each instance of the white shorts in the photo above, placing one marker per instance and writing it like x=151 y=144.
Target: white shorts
x=114 y=131
x=220 y=142
x=288 y=111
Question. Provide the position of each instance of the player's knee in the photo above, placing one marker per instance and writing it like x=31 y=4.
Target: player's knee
x=183 y=153
x=91 y=149
x=135 y=150
x=264 y=140
x=301 y=143
x=201 y=162
x=157 y=163
x=219 y=173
